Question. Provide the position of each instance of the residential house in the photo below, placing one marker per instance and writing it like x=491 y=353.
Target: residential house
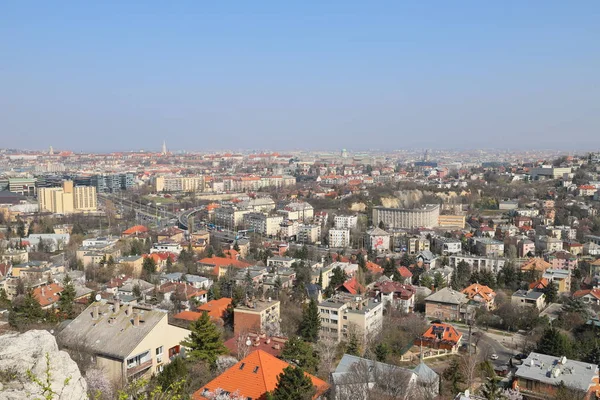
x=356 y=377
x=48 y=295
x=529 y=298
x=481 y=294
x=540 y=376
x=247 y=343
x=562 y=260
x=219 y=265
x=127 y=342
x=257 y=316
x=252 y=378
x=398 y=295
x=446 y=304
x=588 y=296
x=445 y=246
x=535 y=264
x=560 y=277
x=378 y=240
x=345 y=312
x=440 y=336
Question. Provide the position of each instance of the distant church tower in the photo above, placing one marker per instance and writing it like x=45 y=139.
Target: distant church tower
x=51 y=152
x=164 y=148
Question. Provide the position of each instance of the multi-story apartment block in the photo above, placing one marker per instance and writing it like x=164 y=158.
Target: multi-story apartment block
x=127 y=342
x=175 y=183
x=262 y=223
x=446 y=246
x=229 y=217
x=320 y=218
x=415 y=244
x=68 y=199
x=549 y=172
x=111 y=183
x=488 y=247
x=345 y=221
x=308 y=233
x=257 y=316
x=548 y=244
x=407 y=218
x=339 y=238
x=289 y=229
x=297 y=211
x=477 y=263
x=343 y=314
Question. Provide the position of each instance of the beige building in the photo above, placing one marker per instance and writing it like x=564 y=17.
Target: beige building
x=68 y=199
x=127 y=342
x=264 y=224
x=344 y=313
x=179 y=183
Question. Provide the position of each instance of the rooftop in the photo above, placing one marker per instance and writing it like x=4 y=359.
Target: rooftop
x=110 y=334
x=552 y=370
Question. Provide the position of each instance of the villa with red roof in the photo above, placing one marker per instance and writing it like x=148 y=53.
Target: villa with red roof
x=352 y=286
x=252 y=378
x=218 y=265
x=136 y=231
x=481 y=294
x=48 y=295
x=440 y=336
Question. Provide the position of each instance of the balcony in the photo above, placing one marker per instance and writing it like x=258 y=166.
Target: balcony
x=139 y=368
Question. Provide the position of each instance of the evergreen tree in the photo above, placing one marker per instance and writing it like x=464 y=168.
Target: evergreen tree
x=301 y=354
x=438 y=281
x=551 y=293
x=426 y=281
x=461 y=276
x=491 y=390
x=26 y=310
x=172 y=373
x=293 y=384
x=4 y=301
x=353 y=345
x=382 y=351
x=169 y=264
x=389 y=267
x=149 y=265
x=236 y=246
x=554 y=343
x=204 y=342
x=338 y=277
x=21 y=229
x=311 y=322
x=320 y=282
x=454 y=375
x=210 y=252
x=66 y=301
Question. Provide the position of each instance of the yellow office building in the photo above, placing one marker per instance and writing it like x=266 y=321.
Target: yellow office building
x=67 y=199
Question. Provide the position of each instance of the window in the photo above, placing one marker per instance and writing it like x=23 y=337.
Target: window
x=159 y=351
x=242 y=365
x=255 y=370
x=345 y=317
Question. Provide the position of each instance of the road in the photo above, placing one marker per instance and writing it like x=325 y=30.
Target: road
x=490 y=343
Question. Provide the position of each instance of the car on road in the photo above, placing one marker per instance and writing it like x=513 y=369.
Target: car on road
x=494 y=356
x=521 y=356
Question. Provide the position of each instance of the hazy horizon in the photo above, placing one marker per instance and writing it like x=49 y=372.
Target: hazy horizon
x=277 y=76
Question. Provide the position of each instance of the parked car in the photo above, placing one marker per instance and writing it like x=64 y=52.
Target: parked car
x=494 y=356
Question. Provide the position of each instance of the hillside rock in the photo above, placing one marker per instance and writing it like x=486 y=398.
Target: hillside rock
x=22 y=351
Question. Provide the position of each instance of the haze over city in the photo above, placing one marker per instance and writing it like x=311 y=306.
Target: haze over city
x=275 y=75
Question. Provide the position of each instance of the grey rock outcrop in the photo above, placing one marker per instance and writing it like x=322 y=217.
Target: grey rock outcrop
x=20 y=352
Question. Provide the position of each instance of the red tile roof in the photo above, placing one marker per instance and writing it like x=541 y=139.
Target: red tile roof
x=374 y=268
x=405 y=272
x=474 y=290
x=188 y=315
x=254 y=376
x=216 y=308
x=48 y=294
x=448 y=333
x=352 y=286
x=134 y=230
x=223 y=262
x=593 y=292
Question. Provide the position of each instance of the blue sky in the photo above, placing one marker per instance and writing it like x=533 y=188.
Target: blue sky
x=119 y=75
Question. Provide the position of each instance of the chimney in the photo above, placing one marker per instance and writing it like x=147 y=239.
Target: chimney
x=95 y=312
x=277 y=346
x=117 y=305
x=136 y=319
x=129 y=309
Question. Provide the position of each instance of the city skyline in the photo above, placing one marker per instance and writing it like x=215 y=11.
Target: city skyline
x=115 y=77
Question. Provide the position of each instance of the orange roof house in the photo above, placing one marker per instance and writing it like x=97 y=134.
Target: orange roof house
x=539 y=285
x=47 y=295
x=252 y=377
x=219 y=265
x=537 y=264
x=216 y=308
x=137 y=230
x=404 y=272
x=481 y=293
x=440 y=336
x=374 y=268
x=352 y=286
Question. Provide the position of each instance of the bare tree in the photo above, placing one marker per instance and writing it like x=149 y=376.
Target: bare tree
x=327 y=348
x=469 y=366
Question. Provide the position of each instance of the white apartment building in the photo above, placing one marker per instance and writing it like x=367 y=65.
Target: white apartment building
x=297 y=211
x=407 y=218
x=343 y=314
x=229 y=217
x=345 y=221
x=478 y=263
x=339 y=238
x=443 y=245
x=289 y=229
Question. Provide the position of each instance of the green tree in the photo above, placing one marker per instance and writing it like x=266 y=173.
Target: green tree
x=554 y=343
x=551 y=293
x=204 y=342
x=169 y=264
x=454 y=375
x=66 y=302
x=26 y=310
x=426 y=281
x=438 y=281
x=21 y=229
x=149 y=265
x=461 y=276
x=310 y=325
x=293 y=384
x=172 y=372
x=491 y=390
x=382 y=350
x=301 y=354
x=353 y=345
